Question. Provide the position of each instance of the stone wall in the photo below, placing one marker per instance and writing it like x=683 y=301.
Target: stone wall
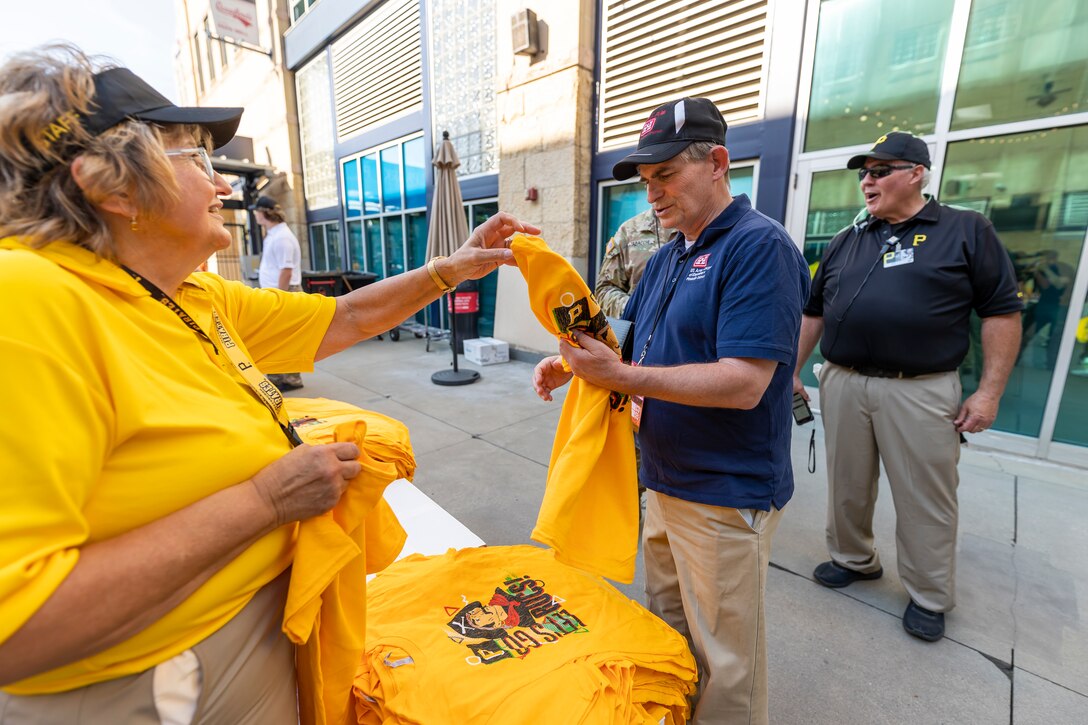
x=545 y=107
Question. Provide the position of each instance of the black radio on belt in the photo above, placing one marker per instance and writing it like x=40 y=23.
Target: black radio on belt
x=801 y=412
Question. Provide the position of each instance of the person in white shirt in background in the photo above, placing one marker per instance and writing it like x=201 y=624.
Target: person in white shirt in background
x=281 y=265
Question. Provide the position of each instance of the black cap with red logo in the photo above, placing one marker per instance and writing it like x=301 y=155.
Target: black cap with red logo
x=670 y=129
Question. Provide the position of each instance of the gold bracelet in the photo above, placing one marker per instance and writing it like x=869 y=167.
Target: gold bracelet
x=436 y=277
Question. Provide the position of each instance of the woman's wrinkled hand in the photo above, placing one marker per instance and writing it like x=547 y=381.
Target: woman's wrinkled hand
x=487 y=248
x=308 y=481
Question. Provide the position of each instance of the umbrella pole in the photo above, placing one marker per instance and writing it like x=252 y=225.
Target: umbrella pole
x=455 y=376
x=453 y=327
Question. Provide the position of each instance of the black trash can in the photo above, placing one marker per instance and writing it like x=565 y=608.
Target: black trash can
x=467 y=301
x=355 y=280
x=330 y=284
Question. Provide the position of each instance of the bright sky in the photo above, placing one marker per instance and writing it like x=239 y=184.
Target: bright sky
x=137 y=33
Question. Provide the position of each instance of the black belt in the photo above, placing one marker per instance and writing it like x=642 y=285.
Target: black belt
x=875 y=372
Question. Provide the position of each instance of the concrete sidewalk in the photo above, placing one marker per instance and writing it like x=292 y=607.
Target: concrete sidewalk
x=1016 y=649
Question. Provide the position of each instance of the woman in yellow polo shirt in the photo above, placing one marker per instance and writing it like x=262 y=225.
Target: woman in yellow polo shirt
x=150 y=481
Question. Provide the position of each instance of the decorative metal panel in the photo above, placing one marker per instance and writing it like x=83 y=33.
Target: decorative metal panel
x=315 y=133
x=658 y=50
x=378 y=68
x=463 y=64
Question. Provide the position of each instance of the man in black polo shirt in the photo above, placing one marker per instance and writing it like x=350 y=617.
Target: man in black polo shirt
x=890 y=306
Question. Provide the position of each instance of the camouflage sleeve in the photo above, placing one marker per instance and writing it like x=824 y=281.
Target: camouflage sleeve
x=613 y=287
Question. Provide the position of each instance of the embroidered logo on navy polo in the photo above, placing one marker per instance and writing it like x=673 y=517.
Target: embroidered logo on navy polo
x=699 y=268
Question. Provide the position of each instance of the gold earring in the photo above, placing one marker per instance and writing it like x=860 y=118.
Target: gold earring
x=132 y=225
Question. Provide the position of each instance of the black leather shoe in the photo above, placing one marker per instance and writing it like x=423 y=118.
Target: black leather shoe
x=832 y=575
x=922 y=623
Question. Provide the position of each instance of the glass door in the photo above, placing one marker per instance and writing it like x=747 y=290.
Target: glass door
x=826 y=201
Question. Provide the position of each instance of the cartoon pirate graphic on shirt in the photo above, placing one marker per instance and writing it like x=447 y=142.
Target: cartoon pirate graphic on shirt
x=519 y=617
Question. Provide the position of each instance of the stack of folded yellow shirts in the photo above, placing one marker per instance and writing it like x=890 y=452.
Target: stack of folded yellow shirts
x=508 y=634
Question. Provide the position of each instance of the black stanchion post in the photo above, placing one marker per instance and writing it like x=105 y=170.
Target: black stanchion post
x=455 y=376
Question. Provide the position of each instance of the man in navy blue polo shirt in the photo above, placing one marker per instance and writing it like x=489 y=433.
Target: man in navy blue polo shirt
x=892 y=300
x=716 y=319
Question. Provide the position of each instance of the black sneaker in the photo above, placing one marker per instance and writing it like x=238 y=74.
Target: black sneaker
x=922 y=623
x=832 y=575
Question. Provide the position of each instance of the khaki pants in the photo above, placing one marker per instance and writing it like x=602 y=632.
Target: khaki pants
x=706 y=572
x=907 y=424
x=247 y=674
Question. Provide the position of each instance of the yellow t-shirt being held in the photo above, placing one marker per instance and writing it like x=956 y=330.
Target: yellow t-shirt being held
x=589 y=514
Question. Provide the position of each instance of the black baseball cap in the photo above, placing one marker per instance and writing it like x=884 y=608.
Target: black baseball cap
x=264 y=202
x=670 y=129
x=894 y=145
x=119 y=94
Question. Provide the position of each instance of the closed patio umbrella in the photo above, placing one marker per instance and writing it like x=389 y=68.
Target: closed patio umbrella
x=447 y=230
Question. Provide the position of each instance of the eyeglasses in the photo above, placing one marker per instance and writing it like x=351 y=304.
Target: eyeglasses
x=199 y=156
x=879 y=172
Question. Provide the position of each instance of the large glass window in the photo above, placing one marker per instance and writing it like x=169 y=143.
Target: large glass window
x=198 y=64
x=415 y=174
x=371 y=203
x=325 y=246
x=299 y=8
x=394 y=245
x=1022 y=61
x=374 y=257
x=391 y=179
x=415 y=231
x=477 y=213
x=834 y=201
x=1072 y=423
x=877 y=69
x=387 y=187
x=353 y=201
x=355 y=246
x=1028 y=184
x=315 y=133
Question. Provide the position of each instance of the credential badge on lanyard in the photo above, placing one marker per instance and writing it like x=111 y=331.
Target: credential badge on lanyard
x=898 y=257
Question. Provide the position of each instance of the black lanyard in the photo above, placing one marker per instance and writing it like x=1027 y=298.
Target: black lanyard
x=258 y=384
x=666 y=298
x=159 y=296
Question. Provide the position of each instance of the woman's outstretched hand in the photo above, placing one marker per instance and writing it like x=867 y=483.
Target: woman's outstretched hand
x=487 y=248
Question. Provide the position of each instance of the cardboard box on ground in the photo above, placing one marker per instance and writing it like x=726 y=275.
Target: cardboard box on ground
x=486 y=351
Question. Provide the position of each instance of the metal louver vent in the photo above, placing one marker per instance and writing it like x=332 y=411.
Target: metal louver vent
x=378 y=68
x=658 y=50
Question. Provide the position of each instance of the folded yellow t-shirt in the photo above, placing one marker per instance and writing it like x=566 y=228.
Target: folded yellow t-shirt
x=590 y=510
